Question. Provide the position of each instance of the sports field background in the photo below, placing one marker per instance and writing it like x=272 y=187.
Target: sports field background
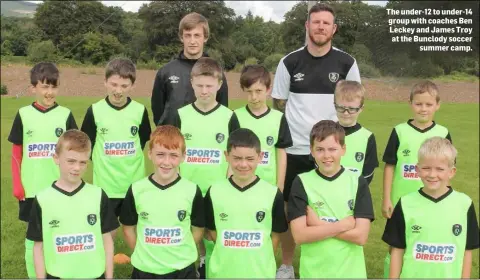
x=379 y=116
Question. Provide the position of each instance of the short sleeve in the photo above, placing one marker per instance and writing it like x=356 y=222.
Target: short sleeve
x=34 y=230
x=71 y=123
x=390 y=155
x=128 y=213
x=108 y=219
x=284 y=136
x=144 y=129
x=472 y=230
x=233 y=124
x=173 y=118
x=197 y=217
x=354 y=73
x=16 y=133
x=279 y=221
x=298 y=200
x=363 y=201
x=209 y=215
x=89 y=126
x=394 y=234
x=371 y=159
x=281 y=83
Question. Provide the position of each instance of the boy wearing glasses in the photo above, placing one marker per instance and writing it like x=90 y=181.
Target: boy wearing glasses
x=361 y=154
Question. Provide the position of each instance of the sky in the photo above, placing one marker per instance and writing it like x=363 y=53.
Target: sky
x=269 y=10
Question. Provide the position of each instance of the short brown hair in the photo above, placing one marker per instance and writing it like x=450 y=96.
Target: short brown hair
x=206 y=66
x=349 y=91
x=44 y=72
x=122 y=67
x=321 y=7
x=167 y=136
x=425 y=87
x=254 y=73
x=190 y=21
x=325 y=128
x=73 y=140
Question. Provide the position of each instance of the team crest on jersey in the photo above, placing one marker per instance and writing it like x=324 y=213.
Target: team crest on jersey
x=350 y=204
x=406 y=152
x=456 y=229
x=333 y=77
x=260 y=216
x=134 y=130
x=269 y=140
x=359 y=156
x=220 y=137
x=181 y=215
x=187 y=136
x=58 y=131
x=92 y=219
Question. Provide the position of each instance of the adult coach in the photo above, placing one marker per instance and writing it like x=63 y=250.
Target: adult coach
x=303 y=89
x=172 y=88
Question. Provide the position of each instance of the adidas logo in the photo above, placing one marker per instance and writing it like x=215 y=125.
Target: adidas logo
x=298 y=77
x=406 y=152
x=173 y=79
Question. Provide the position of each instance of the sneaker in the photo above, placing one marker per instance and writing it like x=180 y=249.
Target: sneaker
x=121 y=259
x=285 y=272
x=201 y=268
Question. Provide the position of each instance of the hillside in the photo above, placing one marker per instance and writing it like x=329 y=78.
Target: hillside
x=18 y=8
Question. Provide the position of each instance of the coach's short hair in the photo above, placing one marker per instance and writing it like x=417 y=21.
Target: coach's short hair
x=254 y=73
x=321 y=7
x=191 y=21
x=206 y=66
x=243 y=138
x=438 y=148
x=45 y=72
x=169 y=137
x=73 y=140
x=425 y=87
x=349 y=91
x=322 y=129
x=122 y=67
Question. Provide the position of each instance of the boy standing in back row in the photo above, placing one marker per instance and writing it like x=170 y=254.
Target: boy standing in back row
x=34 y=135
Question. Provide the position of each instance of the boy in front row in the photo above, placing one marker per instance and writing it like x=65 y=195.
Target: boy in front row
x=330 y=210
x=244 y=215
x=71 y=221
x=433 y=231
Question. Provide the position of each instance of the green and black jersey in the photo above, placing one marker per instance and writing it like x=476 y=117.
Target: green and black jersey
x=332 y=198
x=434 y=232
x=71 y=225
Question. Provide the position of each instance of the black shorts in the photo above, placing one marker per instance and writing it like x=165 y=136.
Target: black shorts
x=24 y=208
x=53 y=277
x=186 y=273
x=116 y=205
x=296 y=164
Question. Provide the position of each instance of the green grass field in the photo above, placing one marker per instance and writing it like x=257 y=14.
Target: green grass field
x=380 y=117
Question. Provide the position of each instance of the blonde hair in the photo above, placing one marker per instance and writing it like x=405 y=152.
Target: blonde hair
x=73 y=140
x=425 y=87
x=349 y=91
x=438 y=147
x=191 y=21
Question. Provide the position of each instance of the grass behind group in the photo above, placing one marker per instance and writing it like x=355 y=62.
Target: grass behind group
x=380 y=117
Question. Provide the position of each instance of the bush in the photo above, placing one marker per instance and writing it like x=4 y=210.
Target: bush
x=42 y=51
x=271 y=61
x=4 y=90
x=251 y=61
x=426 y=69
x=7 y=48
x=217 y=55
x=149 y=65
x=368 y=71
x=238 y=67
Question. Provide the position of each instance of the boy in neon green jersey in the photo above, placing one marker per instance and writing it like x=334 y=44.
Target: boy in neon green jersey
x=361 y=154
x=119 y=128
x=400 y=157
x=335 y=226
x=34 y=134
x=162 y=215
x=71 y=222
x=205 y=124
x=433 y=231
x=244 y=215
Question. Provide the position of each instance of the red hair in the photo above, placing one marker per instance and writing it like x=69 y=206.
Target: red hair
x=169 y=137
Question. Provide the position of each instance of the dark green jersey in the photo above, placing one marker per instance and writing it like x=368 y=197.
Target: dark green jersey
x=164 y=238
x=434 y=233
x=71 y=225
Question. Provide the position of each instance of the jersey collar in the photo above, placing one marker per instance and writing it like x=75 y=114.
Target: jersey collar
x=318 y=57
x=162 y=187
x=330 y=178
x=259 y=116
x=82 y=184
x=206 y=113
x=436 y=200
x=46 y=110
x=409 y=122
x=129 y=100
x=244 y=188
x=351 y=129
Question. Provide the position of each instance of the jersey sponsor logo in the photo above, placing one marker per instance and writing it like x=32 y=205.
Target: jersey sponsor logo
x=406 y=152
x=187 y=136
x=174 y=79
x=220 y=137
x=134 y=130
x=270 y=140
x=298 y=77
x=431 y=252
x=265 y=158
x=350 y=204
x=409 y=172
x=242 y=239
x=163 y=236
x=416 y=228
x=92 y=219
x=74 y=243
x=41 y=150
x=181 y=214
x=333 y=77
x=260 y=216
x=353 y=169
x=359 y=156
x=329 y=219
x=203 y=156
x=457 y=229
x=54 y=223
x=58 y=131
x=119 y=148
